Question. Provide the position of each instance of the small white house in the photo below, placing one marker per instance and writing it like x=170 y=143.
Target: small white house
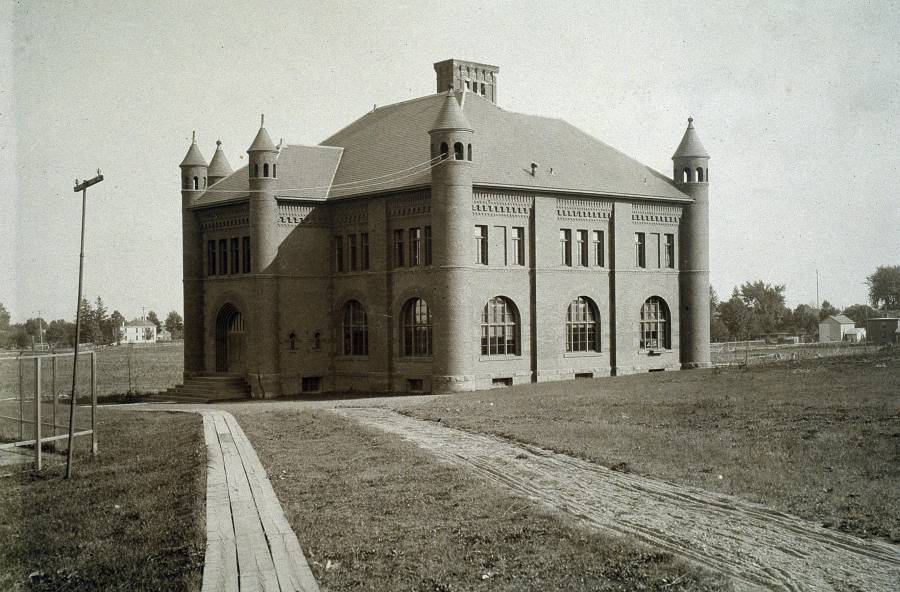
x=834 y=328
x=138 y=331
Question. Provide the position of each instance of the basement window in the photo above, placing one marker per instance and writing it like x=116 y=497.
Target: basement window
x=311 y=384
x=415 y=385
x=502 y=381
x=579 y=375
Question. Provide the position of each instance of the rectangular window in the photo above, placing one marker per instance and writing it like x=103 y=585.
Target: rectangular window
x=364 y=250
x=498 y=246
x=235 y=256
x=655 y=260
x=246 y=254
x=351 y=247
x=518 y=245
x=428 y=245
x=415 y=246
x=223 y=256
x=565 y=245
x=640 y=249
x=399 y=248
x=582 y=244
x=311 y=384
x=211 y=257
x=339 y=253
x=599 y=249
x=670 y=251
x=481 y=245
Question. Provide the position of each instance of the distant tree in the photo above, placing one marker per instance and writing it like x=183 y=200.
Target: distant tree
x=61 y=333
x=4 y=318
x=884 y=287
x=735 y=316
x=859 y=313
x=115 y=322
x=803 y=320
x=767 y=304
x=90 y=330
x=16 y=337
x=827 y=310
x=175 y=324
x=101 y=322
x=151 y=316
x=36 y=329
x=717 y=329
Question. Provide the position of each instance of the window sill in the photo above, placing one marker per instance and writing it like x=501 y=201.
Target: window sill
x=586 y=354
x=352 y=358
x=654 y=352
x=423 y=359
x=498 y=357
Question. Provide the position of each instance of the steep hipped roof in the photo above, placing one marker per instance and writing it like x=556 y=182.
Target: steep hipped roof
x=303 y=172
x=389 y=149
x=395 y=139
x=193 y=156
x=690 y=144
x=219 y=166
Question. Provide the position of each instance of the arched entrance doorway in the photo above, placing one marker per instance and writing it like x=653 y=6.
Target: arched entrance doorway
x=229 y=340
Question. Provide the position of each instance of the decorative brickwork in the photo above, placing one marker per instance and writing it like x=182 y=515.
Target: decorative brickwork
x=499 y=203
x=656 y=213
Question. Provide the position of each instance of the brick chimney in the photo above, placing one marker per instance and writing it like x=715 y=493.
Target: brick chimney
x=458 y=74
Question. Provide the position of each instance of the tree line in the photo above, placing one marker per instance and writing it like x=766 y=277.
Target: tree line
x=98 y=326
x=757 y=309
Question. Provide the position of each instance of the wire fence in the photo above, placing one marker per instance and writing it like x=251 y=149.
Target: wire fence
x=749 y=353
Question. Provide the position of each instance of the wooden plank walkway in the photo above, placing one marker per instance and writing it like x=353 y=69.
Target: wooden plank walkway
x=249 y=543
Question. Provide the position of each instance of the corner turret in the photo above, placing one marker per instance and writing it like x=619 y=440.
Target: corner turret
x=263 y=154
x=218 y=166
x=193 y=168
x=691 y=161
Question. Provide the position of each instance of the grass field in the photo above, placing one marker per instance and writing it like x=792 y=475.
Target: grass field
x=816 y=438
x=134 y=519
x=120 y=369
x=373 y=512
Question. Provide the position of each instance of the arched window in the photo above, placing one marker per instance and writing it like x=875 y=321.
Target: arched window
x=582 y=326
x=699 y=175
x=416 y=327
x=204 y=182
x=499 y=328
x=686 y=175
x=256 y=170
x=196 y=182
x=458 y=151
x=470 y=153
x=444 y=150
x=274 y=170
x=355 y=328
x=655 y=324
x=706 y=174
x=266 y=170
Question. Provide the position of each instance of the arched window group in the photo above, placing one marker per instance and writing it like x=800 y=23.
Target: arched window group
x=500 y=328
x=416 y=328
x=355 y=329
x=582 y=326
x=701 y=175
x=655 y=326
x=458 y=151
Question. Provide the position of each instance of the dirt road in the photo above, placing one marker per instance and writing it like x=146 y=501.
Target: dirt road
x=761 y=549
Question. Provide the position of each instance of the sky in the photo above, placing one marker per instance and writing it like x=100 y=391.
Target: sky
x=798 y=104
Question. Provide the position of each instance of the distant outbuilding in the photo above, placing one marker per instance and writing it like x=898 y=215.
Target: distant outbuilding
x=139 y=331
x=882 y=331
x=834 y=328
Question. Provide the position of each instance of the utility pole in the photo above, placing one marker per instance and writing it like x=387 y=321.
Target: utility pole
x=818 y=302
x=82 y=187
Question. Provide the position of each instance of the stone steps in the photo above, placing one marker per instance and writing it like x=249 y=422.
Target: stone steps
x=207 y=389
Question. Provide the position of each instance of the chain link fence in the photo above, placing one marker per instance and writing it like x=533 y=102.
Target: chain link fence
x=749 y=353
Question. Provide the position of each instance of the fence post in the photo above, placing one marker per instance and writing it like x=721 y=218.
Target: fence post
x=37 y=413
x=55 y=397
x=93 y=405
x=21 y=401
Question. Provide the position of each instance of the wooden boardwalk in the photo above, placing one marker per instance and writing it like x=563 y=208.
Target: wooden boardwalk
x=249 y=543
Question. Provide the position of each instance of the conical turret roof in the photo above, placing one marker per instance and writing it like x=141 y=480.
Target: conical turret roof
x=218 y=166
x=451 y=116
x=262 y=142
x=193 y=156
x=690 y=144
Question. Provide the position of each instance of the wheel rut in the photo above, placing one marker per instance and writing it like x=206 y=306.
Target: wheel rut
x=759 y=548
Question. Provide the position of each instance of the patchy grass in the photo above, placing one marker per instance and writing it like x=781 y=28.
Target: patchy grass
x=134 y=519
x=374 y=512
x=818 y=438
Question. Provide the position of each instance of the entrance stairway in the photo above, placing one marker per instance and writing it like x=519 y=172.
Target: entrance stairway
x=207 y=389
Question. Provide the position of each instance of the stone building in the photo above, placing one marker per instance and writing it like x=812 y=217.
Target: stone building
x=443 y=244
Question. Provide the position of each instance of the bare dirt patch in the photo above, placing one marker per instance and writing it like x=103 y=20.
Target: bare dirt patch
x=759 y=548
